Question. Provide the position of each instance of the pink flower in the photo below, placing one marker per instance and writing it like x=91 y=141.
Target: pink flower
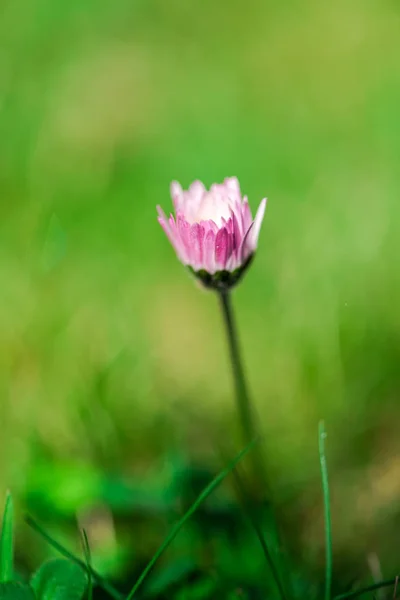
x=213 y=232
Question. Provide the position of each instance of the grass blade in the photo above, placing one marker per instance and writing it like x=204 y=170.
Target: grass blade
x=115 y=594
x=250 y=512
x=6 y=542
x=178 y=526
x=327 y=511
x=370 y=588
x=88 y=559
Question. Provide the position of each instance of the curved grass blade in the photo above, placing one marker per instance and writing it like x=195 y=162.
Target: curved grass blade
x=250 y=513
x=103 y=583
x=88 y=559
x=178 y=526
x=6 y=542
x=327 y=510
x=370 y=588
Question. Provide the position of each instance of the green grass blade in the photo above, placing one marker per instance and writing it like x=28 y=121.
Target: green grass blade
x=327 y=511
x=115 y=594
x=6 y=542
x=178 y=526
x=250 y=513
x=88 y=559
x=370 y=588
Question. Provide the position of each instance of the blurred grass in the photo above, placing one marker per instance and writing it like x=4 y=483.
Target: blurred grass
x=110 y=357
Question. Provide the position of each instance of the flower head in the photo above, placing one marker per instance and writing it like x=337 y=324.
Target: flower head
x=213 y=232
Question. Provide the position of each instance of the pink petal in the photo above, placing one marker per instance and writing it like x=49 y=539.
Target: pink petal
x=176 y=189
x=232 y=183
x=229 y=225
x=221 y=248
x=161 y=213
x=229 y=246
x=212 y=229
x=228 y=189
x=196 y=191
x=232 y=263
x=257 y=224
x=209 y=226
x=209 y=252
x=247 y=218
x=167 y=230
x=213 y=226
x=196 y=245
x=183 y=229
x=237 y=235
x=176 y=195
x=246 y=248
x=170 y=230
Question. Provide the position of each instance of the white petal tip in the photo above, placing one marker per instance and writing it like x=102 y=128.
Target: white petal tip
x=258 y=222
x=232 y=183
x=175 y=188
x=160 y=212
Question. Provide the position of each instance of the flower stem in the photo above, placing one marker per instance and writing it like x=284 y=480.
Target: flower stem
x=249 y=430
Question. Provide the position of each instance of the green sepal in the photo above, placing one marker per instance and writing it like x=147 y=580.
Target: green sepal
x=221 y=280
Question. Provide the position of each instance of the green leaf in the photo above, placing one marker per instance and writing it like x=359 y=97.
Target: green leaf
x=6 y=542
x=59 y=579
x=12 y=590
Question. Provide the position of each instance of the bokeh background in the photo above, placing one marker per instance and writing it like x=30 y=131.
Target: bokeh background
x=113 y=366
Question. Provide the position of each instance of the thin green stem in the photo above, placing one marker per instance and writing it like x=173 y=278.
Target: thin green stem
x=242 y=393
x=327 y=511
x=243 y=403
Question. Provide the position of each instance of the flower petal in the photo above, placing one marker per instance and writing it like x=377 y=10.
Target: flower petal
x=183 y=229
x=232 y=183
x=221 y=248
x=247 y=218
x=209 y=252
x=169 y=227
x=196 y=246
x=209 y=225
x=237 y=235
x=246 y=248
x=213 y=229
x=197 y=190
x=257 y=224
x=177 y=195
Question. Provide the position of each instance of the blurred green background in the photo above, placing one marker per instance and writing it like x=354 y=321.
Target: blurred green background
x=113 y=365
